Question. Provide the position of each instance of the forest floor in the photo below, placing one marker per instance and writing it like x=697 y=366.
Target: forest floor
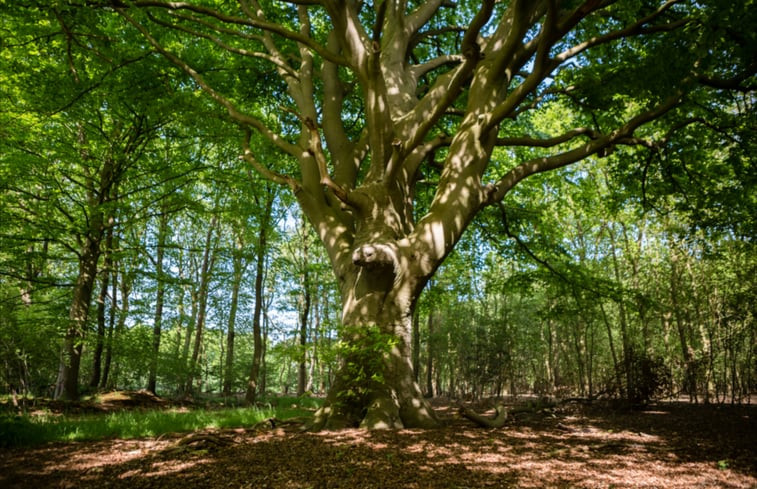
x=666 y=445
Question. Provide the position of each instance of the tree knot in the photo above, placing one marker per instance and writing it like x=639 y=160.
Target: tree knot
x=375 y=255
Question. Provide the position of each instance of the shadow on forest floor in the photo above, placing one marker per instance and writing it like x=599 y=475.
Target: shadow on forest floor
x=670 y=445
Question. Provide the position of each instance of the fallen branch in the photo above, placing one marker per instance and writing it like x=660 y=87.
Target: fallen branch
x=498 y=421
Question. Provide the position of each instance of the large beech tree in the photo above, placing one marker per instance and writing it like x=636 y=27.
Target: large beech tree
x=398 y=121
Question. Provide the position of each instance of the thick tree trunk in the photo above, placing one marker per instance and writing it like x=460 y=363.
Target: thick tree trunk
x=375 y=386
x=68 y=376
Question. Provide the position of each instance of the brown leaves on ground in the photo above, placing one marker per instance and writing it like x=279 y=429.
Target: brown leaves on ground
x=667 y=445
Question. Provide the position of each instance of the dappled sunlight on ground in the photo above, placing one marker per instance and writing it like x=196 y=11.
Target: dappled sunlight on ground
x=671 y=447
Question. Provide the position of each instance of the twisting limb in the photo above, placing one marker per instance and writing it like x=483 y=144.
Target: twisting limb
x=315 y=148
x=218 y=42
x=619 y=136
x=233 y=112
x=546 y=143
x=262 y=169
x=252 y=21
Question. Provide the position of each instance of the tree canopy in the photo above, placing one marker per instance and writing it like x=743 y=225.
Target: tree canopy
x=395 y=125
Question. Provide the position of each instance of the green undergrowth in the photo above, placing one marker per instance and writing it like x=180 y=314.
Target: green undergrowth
x=42 y=427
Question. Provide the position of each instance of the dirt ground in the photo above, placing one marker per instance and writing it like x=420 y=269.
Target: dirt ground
x=668 y=445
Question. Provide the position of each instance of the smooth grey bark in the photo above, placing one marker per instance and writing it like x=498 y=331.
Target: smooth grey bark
x=160 y=292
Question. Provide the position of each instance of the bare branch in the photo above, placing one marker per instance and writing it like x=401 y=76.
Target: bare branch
x=469 y=46
x=436 y=102
x=418 y=18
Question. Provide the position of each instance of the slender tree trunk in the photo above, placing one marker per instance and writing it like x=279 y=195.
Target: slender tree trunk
x=73 y=343
x=430 y=355
x=258 y=345
x=194 y=298
x=305 y=300
x=690 y=381
x=325 y=340
x=263 y=366
x=101 y=306
x=111 y=326
x=624 y=333
x=208 y=260
x=616 y=366
x=125 y=285
x=315 y=342
x=416 y=345
x=238 y=273
x=159 y=298
x=100 y=188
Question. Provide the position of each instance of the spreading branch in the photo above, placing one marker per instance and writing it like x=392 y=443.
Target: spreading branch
x=267 y=173
x=250 y=21
x=233 y=112
x=538 y=165
x=549 y=142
